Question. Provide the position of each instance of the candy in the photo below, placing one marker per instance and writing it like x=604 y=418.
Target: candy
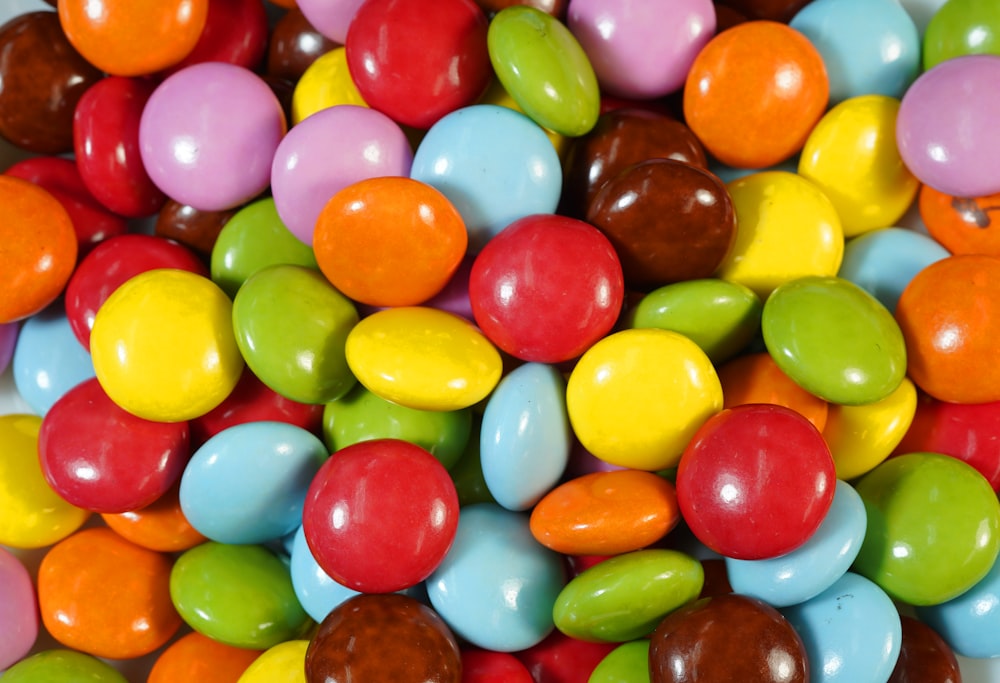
x=239 y=595
x=380 y=515
x=961 y=27
x=248 y=483
x=497 y=586
x=62 y=666
x=627 y=662
x=749 y=496
x=117 y=603
x=494 y=164
x=326 y=83
x=194 y=148
x=37 y=245
x=641 y=49
x=332 y=18
x=728 y=637
x=626 y=597
x=159 y=526
x=389 y=241
x=756 y=378
x=283 y=663
x=197 y=657
x=235 y=32
x=923 y=655
x=967 y=623
x=294 y=45
x=962 y=225
x=41 y=80
x=163 y=346
x=18 y=610
x=932 y=527
x=850 y=630
x=545 y=69
x=133 y=38
x=417 y=62
x=48 y=360
x=659 y=233
x=197 y=230
x=383 y=637
x=485 y=666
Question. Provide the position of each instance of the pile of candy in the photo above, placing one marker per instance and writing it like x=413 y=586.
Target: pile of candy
x=553 y=341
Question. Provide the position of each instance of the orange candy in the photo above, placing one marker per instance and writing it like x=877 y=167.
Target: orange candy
x=389 y=241
x=161 y=526
x=756 y=378
x=195 y=657
x=754 y=93
x=133 y=37
x=37 y=248
x=102 y=595
x=950 y=318
x=606 y=513
x=962 y=225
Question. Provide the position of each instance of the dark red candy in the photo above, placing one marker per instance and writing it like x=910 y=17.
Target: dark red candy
x=42 y=77
x=924 y=656
x=113 y=262
x=106 y=140
x=621 y=138
x=773 y=10
x=716 y=578
x=102 y=458
x=295 y=45
x=386 y=637
x=92 y=222
x=253 y=401
x=561 y=659
x=669 y=221
x=416 y=61
x=235 y=32
x=486 y=666
x=727 y=638
x=195 y=229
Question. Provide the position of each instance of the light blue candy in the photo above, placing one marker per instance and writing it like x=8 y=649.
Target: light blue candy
x=851 y=632
x=317 y=592
x=970 y=623
x=48 y=359
x=813 y=567
x=525 y=438
x=868 y=46
x=248 y=483
x=497 y=585
x=494 y=164
x=883 y=262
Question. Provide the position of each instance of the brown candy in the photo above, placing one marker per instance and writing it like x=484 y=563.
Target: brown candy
x=42 y=77
x=383 y=637
x=621 y=138
x=773 y=10
x=195 y=229
x=727 y=638
x=295 y=45
x=924 y=656
x=556 y=8
x=668 y=221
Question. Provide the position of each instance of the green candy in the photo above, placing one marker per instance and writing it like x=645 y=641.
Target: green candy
x=62 y=666
x=467 y=474
x=625 y=597
x=933 y=524
x=627 y=663
x=544 y=69
x=361 y=415
x=834 y=339
x=240 y=595
x=291 y=327
x=720 y=317
x=253 y=239
x=962 y=27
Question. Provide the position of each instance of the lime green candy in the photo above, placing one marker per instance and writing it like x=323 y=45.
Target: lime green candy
x=933 y=524
x=835 y=340
x=721 y=317
x=544 y=69
x=240 y=595
x=467 y=475
x=627 y=663
x=253 y=239
x=291 y=328
x=363 y=416
x=962 y=27
x=625 y=597
x=62 y=666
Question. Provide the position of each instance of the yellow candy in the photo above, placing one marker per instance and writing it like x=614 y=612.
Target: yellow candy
x=852 y=156
x=423 y=358
x=635 y=398
x=787 y=229
x=861 y=437
x=163 y=346
x=33 y=515
x=327 y=82
x=283 y=663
